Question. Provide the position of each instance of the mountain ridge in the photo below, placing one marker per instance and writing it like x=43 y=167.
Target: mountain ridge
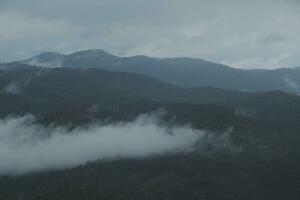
x=181 y=71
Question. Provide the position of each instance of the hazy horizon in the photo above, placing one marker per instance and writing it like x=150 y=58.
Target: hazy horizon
x=155 y=57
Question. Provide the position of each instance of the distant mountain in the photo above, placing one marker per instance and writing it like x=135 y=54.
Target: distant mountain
x=186 y=72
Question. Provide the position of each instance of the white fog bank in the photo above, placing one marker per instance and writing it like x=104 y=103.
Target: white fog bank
x=25 y=147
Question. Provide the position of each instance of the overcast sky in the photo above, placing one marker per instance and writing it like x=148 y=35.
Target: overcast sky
x=240 y=33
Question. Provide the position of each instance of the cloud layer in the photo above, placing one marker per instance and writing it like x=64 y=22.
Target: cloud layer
x=25 y=147
x=236 y=32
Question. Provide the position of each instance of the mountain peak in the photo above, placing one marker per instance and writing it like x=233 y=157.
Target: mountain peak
x=49 y=54
x=46 y=59
x=92 y=53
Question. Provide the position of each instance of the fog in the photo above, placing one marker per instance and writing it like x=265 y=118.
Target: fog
x=26 y=146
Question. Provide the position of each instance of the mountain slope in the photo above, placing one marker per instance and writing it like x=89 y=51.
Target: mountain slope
x=64 y=83
x=120 y=91
x=81 y=95
x=168 y=177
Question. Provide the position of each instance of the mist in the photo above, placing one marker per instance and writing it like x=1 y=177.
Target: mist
x=26 y=146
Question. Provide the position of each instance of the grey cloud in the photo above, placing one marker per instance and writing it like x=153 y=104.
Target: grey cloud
x=273 y=39
x=228 y=32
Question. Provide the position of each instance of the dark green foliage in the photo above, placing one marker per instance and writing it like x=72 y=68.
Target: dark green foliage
x=173 y=177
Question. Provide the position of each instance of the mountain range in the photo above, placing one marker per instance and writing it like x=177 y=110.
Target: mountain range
x=181 y=71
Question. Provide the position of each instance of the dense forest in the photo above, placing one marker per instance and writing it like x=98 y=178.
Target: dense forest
x=262 y=160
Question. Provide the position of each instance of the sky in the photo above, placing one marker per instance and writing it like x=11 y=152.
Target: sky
x=239 y=33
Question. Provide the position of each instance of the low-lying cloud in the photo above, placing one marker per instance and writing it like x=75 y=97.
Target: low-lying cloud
x=26 y=147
